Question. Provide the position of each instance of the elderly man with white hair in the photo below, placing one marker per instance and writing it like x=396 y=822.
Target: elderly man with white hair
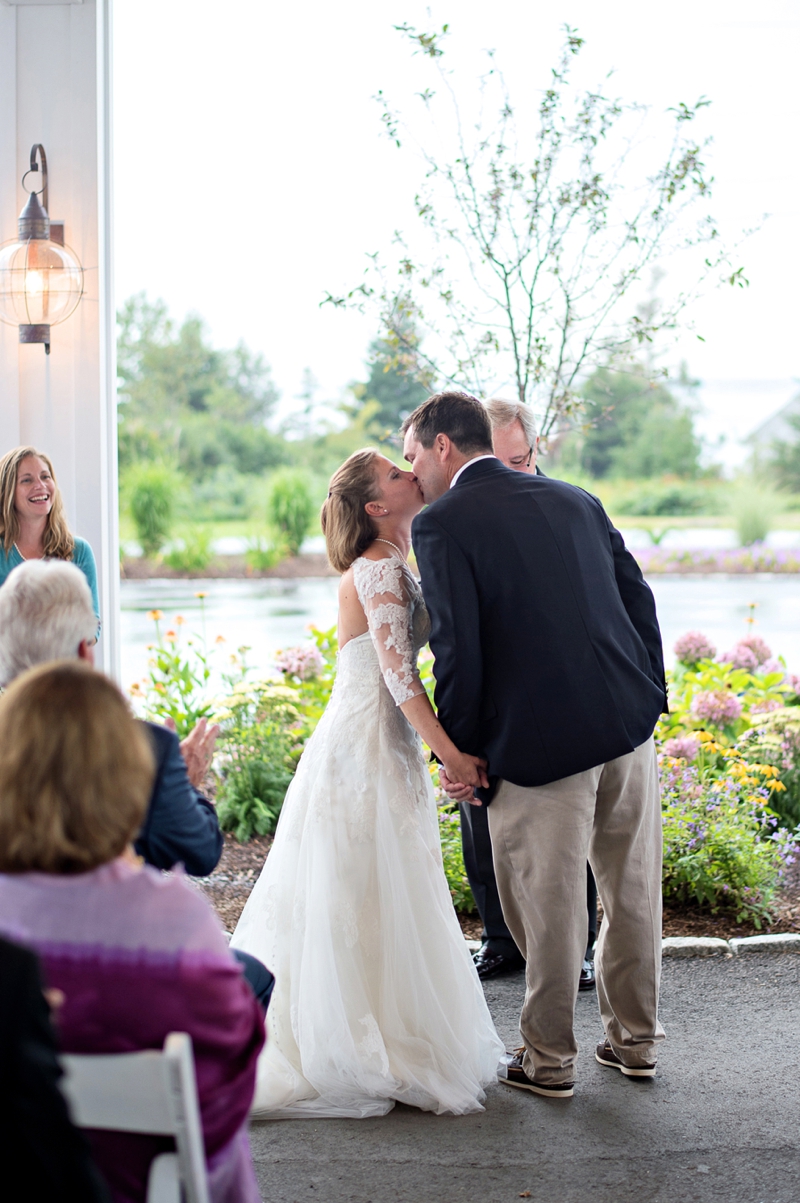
x=46 y=613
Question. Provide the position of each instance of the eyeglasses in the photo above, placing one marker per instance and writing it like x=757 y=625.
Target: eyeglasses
x=522 y=461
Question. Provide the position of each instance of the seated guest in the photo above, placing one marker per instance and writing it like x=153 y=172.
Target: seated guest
x=33 y=525
x=136 y=953
x=46 y=614
x=50 y=1158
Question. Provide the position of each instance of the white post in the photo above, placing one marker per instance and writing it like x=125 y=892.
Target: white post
x=55 y=88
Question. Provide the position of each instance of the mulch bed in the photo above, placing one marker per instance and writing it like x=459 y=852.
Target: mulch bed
x=229 y=886
x=136 y=568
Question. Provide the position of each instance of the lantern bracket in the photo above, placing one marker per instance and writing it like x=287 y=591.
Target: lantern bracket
x=37 y=147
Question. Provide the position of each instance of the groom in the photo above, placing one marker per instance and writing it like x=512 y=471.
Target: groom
x=549 y=664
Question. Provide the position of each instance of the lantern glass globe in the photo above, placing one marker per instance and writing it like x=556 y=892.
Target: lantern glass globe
x=41 y=282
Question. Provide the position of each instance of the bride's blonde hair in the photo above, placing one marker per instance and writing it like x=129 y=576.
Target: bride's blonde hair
x=346 y=525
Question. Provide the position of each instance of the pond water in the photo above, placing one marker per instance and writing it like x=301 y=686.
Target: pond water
x=270 y=614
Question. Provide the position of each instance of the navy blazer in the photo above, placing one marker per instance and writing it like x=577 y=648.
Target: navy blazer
x=181 y=825
x=547 y=646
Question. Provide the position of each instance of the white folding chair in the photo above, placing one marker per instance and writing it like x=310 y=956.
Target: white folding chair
x=152 y=1092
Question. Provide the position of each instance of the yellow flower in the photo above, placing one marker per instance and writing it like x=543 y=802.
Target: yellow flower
x=179 y=620
x=136 y=690
x=156 y=615
x=200 y=593
x=220 y=639
x=170 y=635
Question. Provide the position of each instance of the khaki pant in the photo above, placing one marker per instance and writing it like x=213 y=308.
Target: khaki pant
x=542 y=837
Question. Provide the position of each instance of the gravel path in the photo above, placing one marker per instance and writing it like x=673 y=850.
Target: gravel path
x=719 y=1124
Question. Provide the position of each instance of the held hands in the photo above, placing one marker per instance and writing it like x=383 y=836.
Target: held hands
x=461 y=774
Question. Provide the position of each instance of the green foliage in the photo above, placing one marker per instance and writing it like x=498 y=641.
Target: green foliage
x=638 y=429
x=176 y=686
x=668 y=500
x=730 y=766
x=786 y=458
x=754 y=511
x=151 y=501
x=264 y=553
x=180 y=397
x=195 y=553
x=453 y=859
x=393 y=383
x=533 y=212
x=258 y=753
x=720 y=849
x=290 y=508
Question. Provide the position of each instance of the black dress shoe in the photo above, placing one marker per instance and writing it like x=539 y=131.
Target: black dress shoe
x=492 y=964
x=586 y=981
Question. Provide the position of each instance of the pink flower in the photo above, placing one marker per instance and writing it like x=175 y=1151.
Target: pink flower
x=749 y=653
x=765 y=706
x=717 y=706
x=684 y=746
x=303 y=662
x=693 y=647
x=741 y=656
x=793 y=680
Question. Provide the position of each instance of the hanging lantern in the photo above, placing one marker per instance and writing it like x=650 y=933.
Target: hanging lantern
x=41 y=280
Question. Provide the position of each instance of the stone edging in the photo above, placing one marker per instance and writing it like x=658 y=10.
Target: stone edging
x=709 y=946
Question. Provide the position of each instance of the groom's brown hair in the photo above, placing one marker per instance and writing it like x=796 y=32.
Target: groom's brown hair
x=458 y=415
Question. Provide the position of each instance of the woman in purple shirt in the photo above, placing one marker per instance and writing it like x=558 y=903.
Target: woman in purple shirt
x=136 y=954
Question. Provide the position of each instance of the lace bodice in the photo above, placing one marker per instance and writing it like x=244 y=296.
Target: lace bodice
x=398 y=621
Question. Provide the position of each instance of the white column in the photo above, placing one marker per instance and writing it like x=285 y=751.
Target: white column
x=55 y=88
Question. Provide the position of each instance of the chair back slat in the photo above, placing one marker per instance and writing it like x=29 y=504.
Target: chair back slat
x=148 y=1092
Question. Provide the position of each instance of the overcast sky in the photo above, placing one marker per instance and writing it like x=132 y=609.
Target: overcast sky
x=251 y=175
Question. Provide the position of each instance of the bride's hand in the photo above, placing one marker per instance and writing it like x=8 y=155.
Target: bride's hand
x=463 y=769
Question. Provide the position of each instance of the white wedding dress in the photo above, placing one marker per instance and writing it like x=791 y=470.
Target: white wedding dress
x=376 y=997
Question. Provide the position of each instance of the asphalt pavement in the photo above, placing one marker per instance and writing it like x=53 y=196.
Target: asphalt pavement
x=720 y=1123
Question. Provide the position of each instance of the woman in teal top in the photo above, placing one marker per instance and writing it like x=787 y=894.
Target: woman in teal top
x=33 y=525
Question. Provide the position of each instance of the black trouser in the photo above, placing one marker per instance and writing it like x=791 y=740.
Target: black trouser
x=477 y=845
x=258 y=977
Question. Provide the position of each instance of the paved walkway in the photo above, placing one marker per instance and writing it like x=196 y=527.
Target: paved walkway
x=720 y=1123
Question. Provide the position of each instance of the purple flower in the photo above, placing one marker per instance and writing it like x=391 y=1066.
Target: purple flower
x=693 y=647
x=717 y=706
x=684 y=746
x=303 y=662
x=741 y=656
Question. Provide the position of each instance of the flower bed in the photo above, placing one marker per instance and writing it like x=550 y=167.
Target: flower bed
x=738 y=561
x=729 y=753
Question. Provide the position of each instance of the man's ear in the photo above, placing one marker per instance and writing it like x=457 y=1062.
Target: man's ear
x=443 y=445
x=86 y=651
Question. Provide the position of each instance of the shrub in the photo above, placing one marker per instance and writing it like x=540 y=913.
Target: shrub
x=176 y=686
x=722 y=846
x=667 y=501
x=258 y=753
x=754 y=511
x=453 y=859
x=195 y=553
x=263 y=554
x=290 y=508
x=151 y=501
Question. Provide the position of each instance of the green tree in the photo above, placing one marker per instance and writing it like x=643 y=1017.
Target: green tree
x=393 y=381
x=786 y=458
x=181 y=398
x=535 y=236
x=638 y=428
x=151 y=500
x=290 y=507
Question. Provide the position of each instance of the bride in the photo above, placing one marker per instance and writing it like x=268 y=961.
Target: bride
x=376 y=997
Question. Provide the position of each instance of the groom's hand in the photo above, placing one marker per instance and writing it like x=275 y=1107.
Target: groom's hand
x=457 y=791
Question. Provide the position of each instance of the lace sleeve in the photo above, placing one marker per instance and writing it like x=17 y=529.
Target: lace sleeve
x=383 y=592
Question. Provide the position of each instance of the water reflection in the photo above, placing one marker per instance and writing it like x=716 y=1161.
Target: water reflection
x=269 y=614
